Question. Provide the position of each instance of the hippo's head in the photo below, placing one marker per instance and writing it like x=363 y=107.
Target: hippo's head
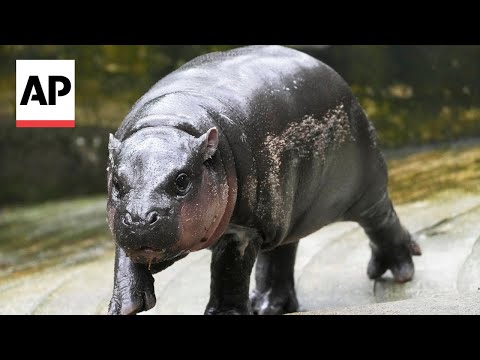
x=167 y=193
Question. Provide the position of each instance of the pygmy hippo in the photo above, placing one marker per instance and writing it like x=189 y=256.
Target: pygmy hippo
x=245 y=152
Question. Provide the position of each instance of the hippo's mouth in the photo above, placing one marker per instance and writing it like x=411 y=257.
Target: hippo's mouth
x=148 y=255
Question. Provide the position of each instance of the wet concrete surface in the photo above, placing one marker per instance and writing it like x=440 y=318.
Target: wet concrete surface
x=438 y=304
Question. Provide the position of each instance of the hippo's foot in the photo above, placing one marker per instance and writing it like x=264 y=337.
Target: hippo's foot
x=133 y=291
x=231 y=311
x=274 y=301
x=392 y=244
x=397 y=259
x=132 y=303
x=275 y=292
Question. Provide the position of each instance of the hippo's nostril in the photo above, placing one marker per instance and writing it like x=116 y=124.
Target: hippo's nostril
x=152 y=218
x=127 y=219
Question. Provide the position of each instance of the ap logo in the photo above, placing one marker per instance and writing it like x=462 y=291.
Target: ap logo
x=45 y=93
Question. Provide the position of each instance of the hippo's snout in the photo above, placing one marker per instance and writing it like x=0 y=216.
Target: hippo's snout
x=149 y=220
x=146 y=233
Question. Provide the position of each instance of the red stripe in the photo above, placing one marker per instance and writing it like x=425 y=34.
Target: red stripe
x=45 y=123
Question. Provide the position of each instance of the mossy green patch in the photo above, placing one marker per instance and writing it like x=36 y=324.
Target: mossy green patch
x=422 y=175
x=45 y=234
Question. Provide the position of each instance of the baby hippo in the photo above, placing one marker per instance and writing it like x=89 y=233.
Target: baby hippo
x=245 y=152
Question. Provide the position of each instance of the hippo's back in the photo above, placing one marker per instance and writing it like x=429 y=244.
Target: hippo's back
x=238 y=76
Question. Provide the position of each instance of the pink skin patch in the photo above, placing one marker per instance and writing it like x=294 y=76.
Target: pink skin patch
x=201 y=215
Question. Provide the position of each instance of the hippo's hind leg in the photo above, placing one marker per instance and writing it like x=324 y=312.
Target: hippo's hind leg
x=392 y=245
x=233 y=257
x=275 y=291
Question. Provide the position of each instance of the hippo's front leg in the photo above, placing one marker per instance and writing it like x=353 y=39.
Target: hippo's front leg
x=232 y=262
x=133 y=290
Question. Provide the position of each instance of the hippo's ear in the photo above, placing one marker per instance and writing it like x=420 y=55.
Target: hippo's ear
x=113 y=143
x=209 y=143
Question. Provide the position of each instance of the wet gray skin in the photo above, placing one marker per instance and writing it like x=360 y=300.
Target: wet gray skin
x=244 y=153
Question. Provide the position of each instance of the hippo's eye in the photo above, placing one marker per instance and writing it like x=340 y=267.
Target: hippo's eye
x=183 y=183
